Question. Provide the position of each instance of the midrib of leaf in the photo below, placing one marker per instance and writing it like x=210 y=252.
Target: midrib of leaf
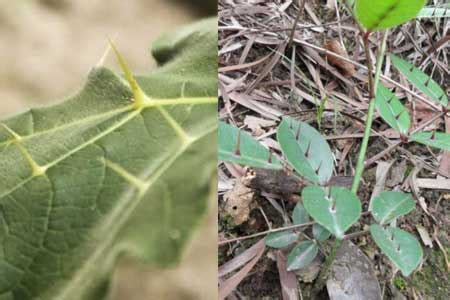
x=337 y=229
x=393 y=208
x=304 y=253
x=117 y=219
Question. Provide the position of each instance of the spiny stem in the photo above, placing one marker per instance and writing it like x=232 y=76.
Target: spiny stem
x=373 y=85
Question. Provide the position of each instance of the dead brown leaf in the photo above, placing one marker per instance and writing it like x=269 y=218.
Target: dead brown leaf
x=347 y=69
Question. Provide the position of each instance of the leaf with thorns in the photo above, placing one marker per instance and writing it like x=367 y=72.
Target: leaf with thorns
x=98 y=175
x=306 y=150
x=420 y=80
x=238 y=146
x=402 y=248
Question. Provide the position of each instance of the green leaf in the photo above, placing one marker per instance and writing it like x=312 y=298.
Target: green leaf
x=401 y=247
x=438 y=140
x=434 y=12
x=335 y=208
x=240 y=147
x=302 y=255
x=383 y=14
x=320 y=233
x=420 y=80
x=392 y=110
x=306 y=150
x=281 y=239
x=388 y=206
x=106 y=173
x=300 y=215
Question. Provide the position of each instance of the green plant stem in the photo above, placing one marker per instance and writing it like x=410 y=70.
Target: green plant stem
x=373 y=84
x=323 y=275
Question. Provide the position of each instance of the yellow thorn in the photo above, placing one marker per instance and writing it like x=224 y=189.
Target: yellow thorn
x=139 y=96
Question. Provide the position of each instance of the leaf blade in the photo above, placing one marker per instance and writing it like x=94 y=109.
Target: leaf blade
x=300 y=215
x=440 y=140
x=240 y=147
x=392 y=110
x=401 y=247
x=302 y=255
x=337 y=211
x=382 y=14
x=306 y=150
x=434 y=12
x=79 y=211
x=420 y=80
x=389 y=205
x=281 y=239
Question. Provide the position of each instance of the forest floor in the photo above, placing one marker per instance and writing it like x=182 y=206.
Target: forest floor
x=263 y=78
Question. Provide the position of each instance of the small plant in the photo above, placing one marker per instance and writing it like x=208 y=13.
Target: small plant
x=336 y=209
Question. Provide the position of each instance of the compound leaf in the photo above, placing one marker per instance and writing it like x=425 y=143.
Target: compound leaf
x=240 y=147
x=440 y=140
x=306 y=150
x=302 y=255
x=383 y=14
x=388 y=206
x=392 y=110
x=334 y=208
x=281 y=239
x=103 y=174
x=421 y=80
x=401 y=247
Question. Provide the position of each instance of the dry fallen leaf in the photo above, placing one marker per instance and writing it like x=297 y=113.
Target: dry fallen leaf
x=347 y=69
x=227 y=286
x=239 y=202
x=288 y=280
x=425 y=236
